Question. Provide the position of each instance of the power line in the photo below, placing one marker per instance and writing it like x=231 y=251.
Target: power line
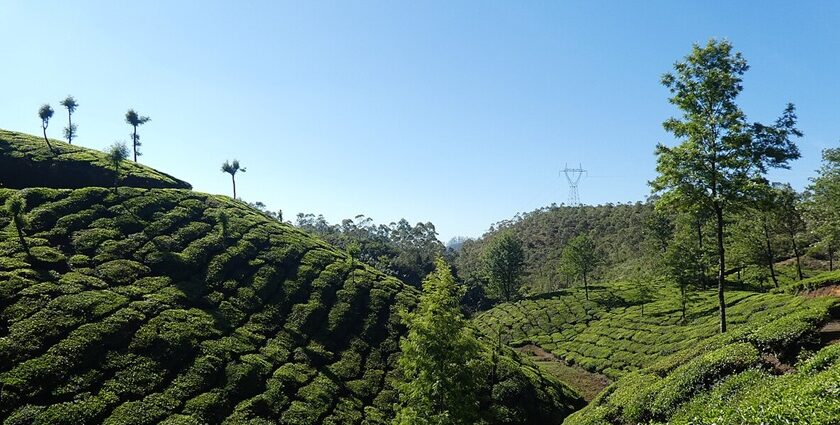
x=573 y=176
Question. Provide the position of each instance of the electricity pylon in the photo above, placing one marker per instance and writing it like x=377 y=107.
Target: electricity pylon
x=573 y=176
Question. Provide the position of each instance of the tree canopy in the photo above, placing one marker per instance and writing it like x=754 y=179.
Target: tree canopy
x=721 y=159
x=438 y=384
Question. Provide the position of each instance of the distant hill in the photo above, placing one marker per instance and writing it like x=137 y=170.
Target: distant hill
x=618 y=231
x=162 y=305
x=26 y=161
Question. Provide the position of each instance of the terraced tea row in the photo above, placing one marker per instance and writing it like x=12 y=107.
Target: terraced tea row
x=617 y=340
x=169 y=306
x=775 y=373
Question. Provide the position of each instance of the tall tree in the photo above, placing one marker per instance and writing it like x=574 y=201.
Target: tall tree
x=504 y=261
x=823 y=204
x=232 y=168
x=135 y=120
x=15 y=205
x=680 y=267
x=581 y=257
x=70 y=131
x=721 y=158
x=45 y=113
x=789 y=219
x=438 y=384
x=117 y=153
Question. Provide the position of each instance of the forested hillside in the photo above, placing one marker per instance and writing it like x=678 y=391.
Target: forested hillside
x=133 y=305
x=617 y=231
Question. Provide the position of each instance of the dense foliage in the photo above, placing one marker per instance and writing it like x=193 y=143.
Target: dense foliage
x=170 y=306
x=616 y=231
x=398 y=249
x=440 y=359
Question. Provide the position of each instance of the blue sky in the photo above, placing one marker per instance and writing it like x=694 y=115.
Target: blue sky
x=460 y=113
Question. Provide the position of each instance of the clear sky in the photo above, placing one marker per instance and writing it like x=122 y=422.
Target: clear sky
x=455 y=112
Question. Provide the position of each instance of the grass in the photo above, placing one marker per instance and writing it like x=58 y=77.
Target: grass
x=26 y=161
x=140 y=307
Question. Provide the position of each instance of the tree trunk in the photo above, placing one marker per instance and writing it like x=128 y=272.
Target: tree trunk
x=116 y=177
x=721 y=265
x=830 y=258
x=701 y=275
x=796 y=253
x=683 y=302
x=771 y=260
x=46 y=139
x=233 y=179
x=21 y=238
x=585 y=286
x=70 y=127
x=134 y=143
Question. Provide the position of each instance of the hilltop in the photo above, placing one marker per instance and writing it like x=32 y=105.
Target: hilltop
x=157 y=304
x=26 y=161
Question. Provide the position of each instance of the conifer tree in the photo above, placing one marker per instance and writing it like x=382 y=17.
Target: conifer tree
x=438 y=385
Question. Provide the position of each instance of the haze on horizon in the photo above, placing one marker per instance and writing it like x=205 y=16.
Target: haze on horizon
x=459 y=114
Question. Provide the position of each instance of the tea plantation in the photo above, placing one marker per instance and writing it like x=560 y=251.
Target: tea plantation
x=671 y=371
x=147 y=306
x=26 y=161
x=617 y=340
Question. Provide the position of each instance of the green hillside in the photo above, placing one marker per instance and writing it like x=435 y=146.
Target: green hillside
x=26 y=161
x=614 y=340
x=672 y=371
x=617 y=230
x=169 y=306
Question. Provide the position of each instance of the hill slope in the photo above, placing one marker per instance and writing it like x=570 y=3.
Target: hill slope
x=671 y=371
x=170 y=306
x=26 y=161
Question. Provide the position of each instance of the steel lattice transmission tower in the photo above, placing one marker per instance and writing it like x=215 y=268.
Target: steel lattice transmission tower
x=573 y=176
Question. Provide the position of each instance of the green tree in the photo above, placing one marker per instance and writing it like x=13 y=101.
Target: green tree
x=232 y=168
x=135 y=120
x=644 y=281
x=680 y=265
x=789 y=219
x=504 y=261
x=117 y=153
x=45 y=113
x=70 y=131
x=750 y=242
x=438 y=383
x=823 y=204
x=580 y=257
x=721 y=158
x=15 y=205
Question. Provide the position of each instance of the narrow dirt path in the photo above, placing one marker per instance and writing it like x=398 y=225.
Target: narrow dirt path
x=825 y=291
x=830 y=333
x=586 y=383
